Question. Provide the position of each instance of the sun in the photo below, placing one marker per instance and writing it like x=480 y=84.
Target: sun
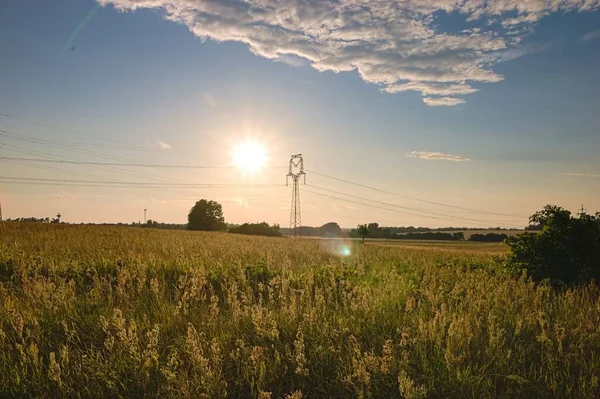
x=250 y=156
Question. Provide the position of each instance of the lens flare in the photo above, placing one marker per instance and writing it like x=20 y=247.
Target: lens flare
x=345 y=250
x=337 y=247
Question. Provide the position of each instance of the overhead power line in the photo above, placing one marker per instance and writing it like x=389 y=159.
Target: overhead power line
x=142 y=165
x=391 y=210
x=67 y=130
x=401 y=206
x=132 y=183
x=120 y=164
x=417 y=199
x=93 y=153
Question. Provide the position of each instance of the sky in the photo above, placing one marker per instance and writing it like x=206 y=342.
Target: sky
x=426 y=113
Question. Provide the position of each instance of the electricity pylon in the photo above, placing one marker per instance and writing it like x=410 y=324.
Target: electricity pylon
x=295 y=172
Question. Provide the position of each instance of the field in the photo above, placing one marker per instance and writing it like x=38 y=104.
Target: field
x=122 y=312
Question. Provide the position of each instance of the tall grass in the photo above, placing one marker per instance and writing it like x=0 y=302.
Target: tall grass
x=122 y=312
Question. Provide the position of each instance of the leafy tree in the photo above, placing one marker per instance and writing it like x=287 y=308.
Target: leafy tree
x=331 y=229
x=363 y=231
x=374 y=229
x=567 y=249
x=459 y=236
x=490 y=237
x=257 y=229
x=206 y=215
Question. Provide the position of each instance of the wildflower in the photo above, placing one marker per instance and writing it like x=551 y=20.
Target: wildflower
x=294 y=395
x=54 y=369
x=387 y=356
x=299 y=351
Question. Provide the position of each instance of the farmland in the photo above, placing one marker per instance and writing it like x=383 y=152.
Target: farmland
x=123 y=312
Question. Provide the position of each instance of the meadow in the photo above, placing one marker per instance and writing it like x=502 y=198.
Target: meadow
x=90 y=311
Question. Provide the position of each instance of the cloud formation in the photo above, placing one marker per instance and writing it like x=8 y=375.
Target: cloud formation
x=209 y=99
x=594 y=175
x=241 y=202
x=436 y=156
x=590 y=36
x=163 y=145
x=442 y=101
x=397 y=45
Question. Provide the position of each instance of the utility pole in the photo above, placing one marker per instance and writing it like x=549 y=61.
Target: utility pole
x=1 y=212
x=145 y=215
x=296 y=171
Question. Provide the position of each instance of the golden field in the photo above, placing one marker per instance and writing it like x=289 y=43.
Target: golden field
x=90 y=311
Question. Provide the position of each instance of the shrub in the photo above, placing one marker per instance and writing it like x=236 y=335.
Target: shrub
x=567 y=249
x=490 y=237
x=257 y=229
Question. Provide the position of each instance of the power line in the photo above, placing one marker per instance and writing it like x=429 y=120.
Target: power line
x=416 y=199
x=97 y=154
x=142 y=165
x=101 y=184
x=129 y=163
x=135 y=184
x=386 y=209
x=402 y=207
x=94 y=145
x=48 y=155
x=65 y=130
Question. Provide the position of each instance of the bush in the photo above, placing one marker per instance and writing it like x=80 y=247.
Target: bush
x=257 y=229
x=567 y=249
x=490 y=237
x=206 y=215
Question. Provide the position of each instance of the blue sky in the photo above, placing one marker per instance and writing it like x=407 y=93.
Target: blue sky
x=490 y=108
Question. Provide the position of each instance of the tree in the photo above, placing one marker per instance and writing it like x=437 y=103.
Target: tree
x=331 y=229
x=373 y=229
x=257 y=229
x=567 y=249
x=206 y=215
x=490 y=237
x=459 y=236
x=363 y=231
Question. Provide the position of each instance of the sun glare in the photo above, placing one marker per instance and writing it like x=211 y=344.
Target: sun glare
x=250 y=156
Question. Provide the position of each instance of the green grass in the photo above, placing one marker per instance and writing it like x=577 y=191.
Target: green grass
x=121 y=312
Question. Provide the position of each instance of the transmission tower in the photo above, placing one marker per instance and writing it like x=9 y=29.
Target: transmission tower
x=295 y=172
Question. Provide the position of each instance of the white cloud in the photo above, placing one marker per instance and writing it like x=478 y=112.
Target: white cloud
x=292 y=60
x=442 y=101
x=594 y=175
x=163 y=145
x=398 y=45
x=436 y=156
x=209 y=99
x=430 y=89
x=590 y=35
x=241 y=202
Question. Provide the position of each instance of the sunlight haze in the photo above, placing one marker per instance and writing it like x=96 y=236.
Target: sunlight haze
x=423 y=113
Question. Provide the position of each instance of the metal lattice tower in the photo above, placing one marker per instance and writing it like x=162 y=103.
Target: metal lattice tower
x=295 y=172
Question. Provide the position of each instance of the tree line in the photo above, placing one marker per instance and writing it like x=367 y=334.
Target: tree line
x=372 y=230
